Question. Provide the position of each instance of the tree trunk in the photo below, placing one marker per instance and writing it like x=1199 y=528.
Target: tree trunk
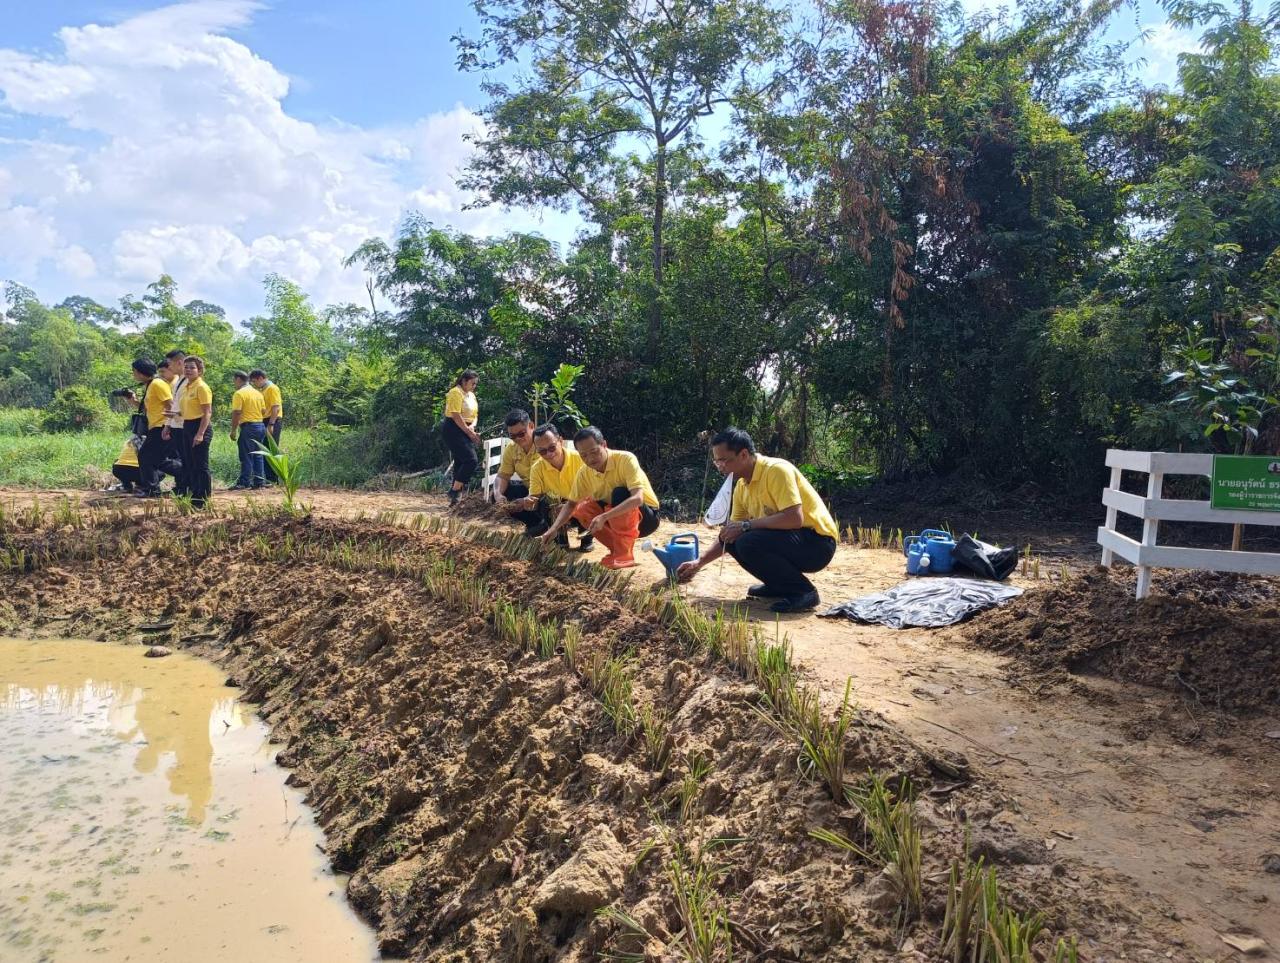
x=659 y=211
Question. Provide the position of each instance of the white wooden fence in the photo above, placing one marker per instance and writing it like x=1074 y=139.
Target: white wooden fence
x=1153 y=509
x=491 y=458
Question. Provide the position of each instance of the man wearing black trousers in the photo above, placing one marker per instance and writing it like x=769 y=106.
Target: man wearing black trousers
x=778 y=528
x=518 y=459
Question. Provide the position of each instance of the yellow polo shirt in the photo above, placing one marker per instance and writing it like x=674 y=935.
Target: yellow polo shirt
x=459 y=402
x=517 y=461
x=128 y=456
x=158 y=395
x=556 y=485
x=776 y=485
x=271 y=396
x=248 y=401
x=194 y=396
x=622 y=470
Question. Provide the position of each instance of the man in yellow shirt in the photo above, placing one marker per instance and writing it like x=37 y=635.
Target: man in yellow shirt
x=155 y=400
x=550 y=483
x=273 y=417
x=778 y=528
x=611 y=496
x=518 y=459
x=247 y=409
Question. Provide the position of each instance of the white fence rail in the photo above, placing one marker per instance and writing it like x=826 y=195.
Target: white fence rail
x=1153 y=509
x=491 y=458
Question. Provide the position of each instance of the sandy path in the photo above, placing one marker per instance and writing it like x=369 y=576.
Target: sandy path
x=1104 y=774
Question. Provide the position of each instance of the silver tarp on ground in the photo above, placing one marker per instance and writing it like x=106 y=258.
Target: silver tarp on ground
x=925 y=602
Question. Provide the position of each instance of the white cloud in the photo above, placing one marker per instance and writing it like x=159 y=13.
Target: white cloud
x=1160 y=51
x=165 y=147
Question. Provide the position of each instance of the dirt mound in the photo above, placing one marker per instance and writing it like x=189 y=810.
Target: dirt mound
x=475 y=507
x=487 y=801
x=1215 y=637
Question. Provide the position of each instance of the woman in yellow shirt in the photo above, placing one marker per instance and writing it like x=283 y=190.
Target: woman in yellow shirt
x=155 y=398
x=461 y=412
x=196 y=408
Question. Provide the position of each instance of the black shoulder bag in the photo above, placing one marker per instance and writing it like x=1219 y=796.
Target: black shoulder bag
x=138 y=423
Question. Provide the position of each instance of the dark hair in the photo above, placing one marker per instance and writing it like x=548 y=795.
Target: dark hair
x=592 y=432
x=517 y=416
x=196 y=360
x=547 y=429
x=735 y=439
x=469 y=375
x=257 y=373
x=175 y=353
x=145 y=366
x=240 y=374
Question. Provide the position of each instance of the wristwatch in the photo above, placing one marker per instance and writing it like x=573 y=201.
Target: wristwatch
x=746 y=524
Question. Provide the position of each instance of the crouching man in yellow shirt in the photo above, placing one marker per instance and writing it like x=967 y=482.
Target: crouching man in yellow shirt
x=611 y=496
x=550 y=484
x=778 y=528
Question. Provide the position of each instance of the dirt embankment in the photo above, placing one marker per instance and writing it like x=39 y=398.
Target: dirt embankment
x=1214 y=637
x=482 y=797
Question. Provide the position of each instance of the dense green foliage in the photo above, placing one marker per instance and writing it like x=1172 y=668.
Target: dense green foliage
x=924 y=245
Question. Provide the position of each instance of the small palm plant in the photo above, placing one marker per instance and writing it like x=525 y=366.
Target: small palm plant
x=288 y=470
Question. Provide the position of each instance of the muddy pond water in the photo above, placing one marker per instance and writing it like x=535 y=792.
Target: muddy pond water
x=142 y=819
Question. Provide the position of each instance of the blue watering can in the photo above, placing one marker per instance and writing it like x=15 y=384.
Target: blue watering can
x=929 y=552
x=680 y=549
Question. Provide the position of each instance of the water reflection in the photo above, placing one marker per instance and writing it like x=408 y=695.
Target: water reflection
x=141 y=819
x=172 y=713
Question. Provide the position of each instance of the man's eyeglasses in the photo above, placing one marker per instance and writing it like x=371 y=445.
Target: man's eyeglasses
x=544 y=451
x=518 y=434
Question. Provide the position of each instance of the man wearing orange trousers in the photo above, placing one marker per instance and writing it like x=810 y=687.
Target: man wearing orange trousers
x=611 y=498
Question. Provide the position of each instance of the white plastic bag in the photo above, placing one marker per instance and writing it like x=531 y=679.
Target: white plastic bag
x=718 y=513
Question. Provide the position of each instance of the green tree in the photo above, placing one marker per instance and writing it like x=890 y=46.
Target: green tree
x=297 y=348
x=602 y=78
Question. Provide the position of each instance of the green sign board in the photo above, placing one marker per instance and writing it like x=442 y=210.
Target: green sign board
x=1246 y=482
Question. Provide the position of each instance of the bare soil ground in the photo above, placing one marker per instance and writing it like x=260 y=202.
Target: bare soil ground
x=1127 y=750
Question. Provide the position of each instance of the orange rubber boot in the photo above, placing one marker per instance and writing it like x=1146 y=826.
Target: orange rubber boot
x=583 y=513
x=625 y=530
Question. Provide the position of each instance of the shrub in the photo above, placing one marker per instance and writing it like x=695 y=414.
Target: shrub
x=76 y=408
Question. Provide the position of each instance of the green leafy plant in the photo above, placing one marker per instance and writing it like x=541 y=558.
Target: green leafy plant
x=76 y=408
x=706 y=935
x=892 y=840
x=552 y=401
x=1230 y=404
x=288 y=470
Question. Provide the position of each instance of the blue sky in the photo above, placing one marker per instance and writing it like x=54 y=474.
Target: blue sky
x=221 y=140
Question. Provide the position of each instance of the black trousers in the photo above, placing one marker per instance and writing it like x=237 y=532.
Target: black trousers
x=274 y=432
x=196 y=480
x=154 y=455
x=648 y=516
x=780 y=559
x=463 y=451
x=537 y=519
x=127 y=475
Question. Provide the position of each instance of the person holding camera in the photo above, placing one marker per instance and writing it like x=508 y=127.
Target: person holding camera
x=156 y=396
